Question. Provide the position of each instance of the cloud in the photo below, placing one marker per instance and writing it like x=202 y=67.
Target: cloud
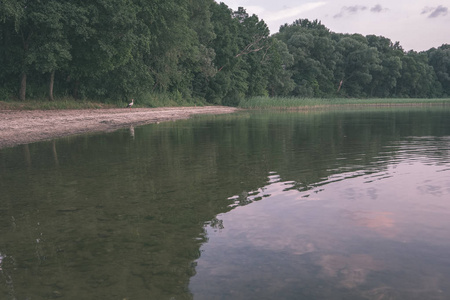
x=435 y=12
x=350 y=10
x=257 y=10
x=294 y=11
x=378 y=8
x=350 y=270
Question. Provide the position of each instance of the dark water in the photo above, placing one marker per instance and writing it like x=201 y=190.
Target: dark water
x=325 y=205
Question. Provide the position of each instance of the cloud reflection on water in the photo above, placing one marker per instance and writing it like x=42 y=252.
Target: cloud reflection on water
x=348 y=231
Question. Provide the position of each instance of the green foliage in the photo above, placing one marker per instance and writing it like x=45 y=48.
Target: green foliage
x=199 y=49
x=280 y=79
x=314 y=56
x=439 y=59
x=167 y=99
x=418 y=78
x=329 y=64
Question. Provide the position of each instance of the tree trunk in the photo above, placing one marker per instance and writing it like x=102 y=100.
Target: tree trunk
x=50 y=85
x=23 y=81
x=23 y=86
x=55 y=153
x=76 y=88
x=27 y=154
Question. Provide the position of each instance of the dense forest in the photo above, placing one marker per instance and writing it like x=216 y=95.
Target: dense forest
x=198 y=49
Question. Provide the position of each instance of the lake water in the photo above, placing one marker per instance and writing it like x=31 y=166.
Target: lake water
x=318 y=205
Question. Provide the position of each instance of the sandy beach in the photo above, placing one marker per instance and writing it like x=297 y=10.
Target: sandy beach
x=27 y=126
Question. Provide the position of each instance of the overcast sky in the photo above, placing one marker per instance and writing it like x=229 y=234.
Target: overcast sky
x=417 y=24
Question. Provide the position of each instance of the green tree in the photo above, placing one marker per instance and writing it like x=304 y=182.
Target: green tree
x=172 y=43
x=16 y=35
x=50 y=49
x=226 y=46
x=384 y=78
x=107 y=49
x=201 y=64
x=279 y=70
x=102 y=40
x=255 y=42
x=440 y=61
x=356 y=64
x=241 y=45
x=37 y=41
x=11 y=12
x=418 y=79
x=314 y=55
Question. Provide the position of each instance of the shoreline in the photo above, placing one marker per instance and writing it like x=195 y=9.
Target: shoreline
x=19 y=127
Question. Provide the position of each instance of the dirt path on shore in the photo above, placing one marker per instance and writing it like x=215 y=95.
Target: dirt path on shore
x=23 y=127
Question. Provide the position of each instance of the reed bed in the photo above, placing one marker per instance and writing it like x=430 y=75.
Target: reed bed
x=317 y=103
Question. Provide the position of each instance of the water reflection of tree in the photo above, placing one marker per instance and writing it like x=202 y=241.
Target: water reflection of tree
x=125 y=218
x=216 y=223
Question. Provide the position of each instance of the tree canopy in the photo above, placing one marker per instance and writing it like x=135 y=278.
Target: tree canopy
x=200 y=49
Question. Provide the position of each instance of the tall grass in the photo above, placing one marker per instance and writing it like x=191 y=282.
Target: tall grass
x=310 y=103
x=147 y=100
x=166 y=99
x=63 y=103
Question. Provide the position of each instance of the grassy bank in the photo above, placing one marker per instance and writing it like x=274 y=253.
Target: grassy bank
x=312 y=103
x=48 y=105
x=155 y=100
x=251 y=103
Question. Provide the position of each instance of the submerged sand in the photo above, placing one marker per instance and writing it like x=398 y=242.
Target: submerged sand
x=27 y=126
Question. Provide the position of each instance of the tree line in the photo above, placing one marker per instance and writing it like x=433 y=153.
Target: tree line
x=199 y=49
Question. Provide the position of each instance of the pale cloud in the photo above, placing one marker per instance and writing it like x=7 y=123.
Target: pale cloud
x=380 y=222
x=378 y=8
x=294 y=12
x=350 y=270
x=354 y=9
x=435 y=12
x=350 y=10
x=254 y=9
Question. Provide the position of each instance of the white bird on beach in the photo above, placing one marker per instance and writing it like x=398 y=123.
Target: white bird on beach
x=131 y=103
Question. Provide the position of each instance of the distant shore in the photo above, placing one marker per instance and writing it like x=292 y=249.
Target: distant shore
x=27 y=126
x=291 y=103
x=23 y=126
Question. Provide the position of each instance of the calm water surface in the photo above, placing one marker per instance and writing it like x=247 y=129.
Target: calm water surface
x=324 y=205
